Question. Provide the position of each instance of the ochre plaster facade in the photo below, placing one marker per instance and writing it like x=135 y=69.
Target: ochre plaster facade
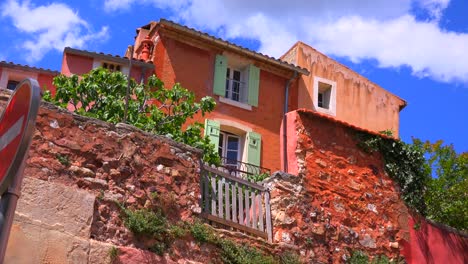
x=359 y=101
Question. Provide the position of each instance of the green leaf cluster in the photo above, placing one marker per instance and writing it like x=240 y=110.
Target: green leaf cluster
x=152 y=107
x=433 y=177
x=405 y=164
x=446 y=193
x=359 y=257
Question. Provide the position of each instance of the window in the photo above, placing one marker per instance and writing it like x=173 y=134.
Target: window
x=12 y=85
x=111 y=66
x=324 y=94
x=236 y=82
x=234 y=142
x=235 y=87
x=229 y=148
x=324 y=99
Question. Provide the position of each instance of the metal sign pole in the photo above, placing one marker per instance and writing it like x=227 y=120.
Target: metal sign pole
x=7 y=210
x=14 y=145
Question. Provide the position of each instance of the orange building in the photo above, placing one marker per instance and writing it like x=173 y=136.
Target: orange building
x=11 y=74
x=253 y=91
x=335 y=90
x=249 y=88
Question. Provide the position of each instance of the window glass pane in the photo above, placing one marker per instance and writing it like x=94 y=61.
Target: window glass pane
x=231 y=156
x=237 y=75
x=320 y=100
x=220 y=144
x=12 y=85
x=233 y=143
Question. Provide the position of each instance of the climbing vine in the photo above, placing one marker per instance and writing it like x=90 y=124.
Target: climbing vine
x=404 y=163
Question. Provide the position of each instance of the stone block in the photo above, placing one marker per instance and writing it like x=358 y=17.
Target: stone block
x=99 y=252
x=32 y=241
x=66 y=208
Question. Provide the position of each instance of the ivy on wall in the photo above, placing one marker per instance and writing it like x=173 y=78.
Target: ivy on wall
x=404 y=163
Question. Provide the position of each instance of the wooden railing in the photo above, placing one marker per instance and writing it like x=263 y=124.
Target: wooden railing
x=235 y=202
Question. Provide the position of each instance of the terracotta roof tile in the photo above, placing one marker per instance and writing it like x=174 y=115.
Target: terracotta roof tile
x=290 y=66
x=111 y=57
x=10 y=64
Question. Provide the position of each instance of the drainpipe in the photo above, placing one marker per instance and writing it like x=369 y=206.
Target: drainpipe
x=285 y=137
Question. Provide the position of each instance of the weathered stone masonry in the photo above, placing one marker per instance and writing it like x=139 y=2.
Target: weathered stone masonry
x=341 y=199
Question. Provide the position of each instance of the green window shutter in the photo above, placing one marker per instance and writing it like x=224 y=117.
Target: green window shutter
x=212 y=129
x=254 y=148
x=219 y=86
x=254 y=80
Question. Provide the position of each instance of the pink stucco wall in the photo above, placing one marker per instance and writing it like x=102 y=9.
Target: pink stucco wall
x=291 y=143
x=430 y=243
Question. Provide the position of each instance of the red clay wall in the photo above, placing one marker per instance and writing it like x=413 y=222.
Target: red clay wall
x=341 y=199
x=193 y=67
x=431 y=243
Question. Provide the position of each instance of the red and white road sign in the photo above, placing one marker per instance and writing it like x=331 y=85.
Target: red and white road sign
x=13 y=127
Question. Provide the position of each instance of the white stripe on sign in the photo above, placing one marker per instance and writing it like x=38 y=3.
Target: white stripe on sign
x=11 y=134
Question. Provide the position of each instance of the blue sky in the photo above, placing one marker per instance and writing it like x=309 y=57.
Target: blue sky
x=417 y=49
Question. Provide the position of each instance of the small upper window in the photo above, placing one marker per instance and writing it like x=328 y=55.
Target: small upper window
x=325 y=96
x=235 y=87
x=12 y=85
x=111 y=66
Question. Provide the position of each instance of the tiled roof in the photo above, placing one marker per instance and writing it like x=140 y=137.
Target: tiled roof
x=346 y=124
x=10 y=64
x=108 y=57
x=229 y=45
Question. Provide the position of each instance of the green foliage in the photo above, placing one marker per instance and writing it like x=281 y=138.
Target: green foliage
x=404 y=163
x=446 y=196
x=114 y=253
x=63 y=159
x=258 y=177
x=145 y=222
x=433 y=178
x=289 y=257
x=232 y=253
x=159 y=248
x=201 y=233
x=358 y=257
x=178 y=231
x=152 y=107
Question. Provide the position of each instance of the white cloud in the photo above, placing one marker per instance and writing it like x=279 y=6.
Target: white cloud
x=49 y=27
x=358 y=29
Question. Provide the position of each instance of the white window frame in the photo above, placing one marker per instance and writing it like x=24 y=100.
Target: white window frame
x=107 y=65
x=225 y=135
x=99 y=63
x=235 y=63
x=331 y=110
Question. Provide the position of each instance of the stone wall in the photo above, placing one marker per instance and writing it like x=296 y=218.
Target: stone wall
x=78 y=168
x=341 y=199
